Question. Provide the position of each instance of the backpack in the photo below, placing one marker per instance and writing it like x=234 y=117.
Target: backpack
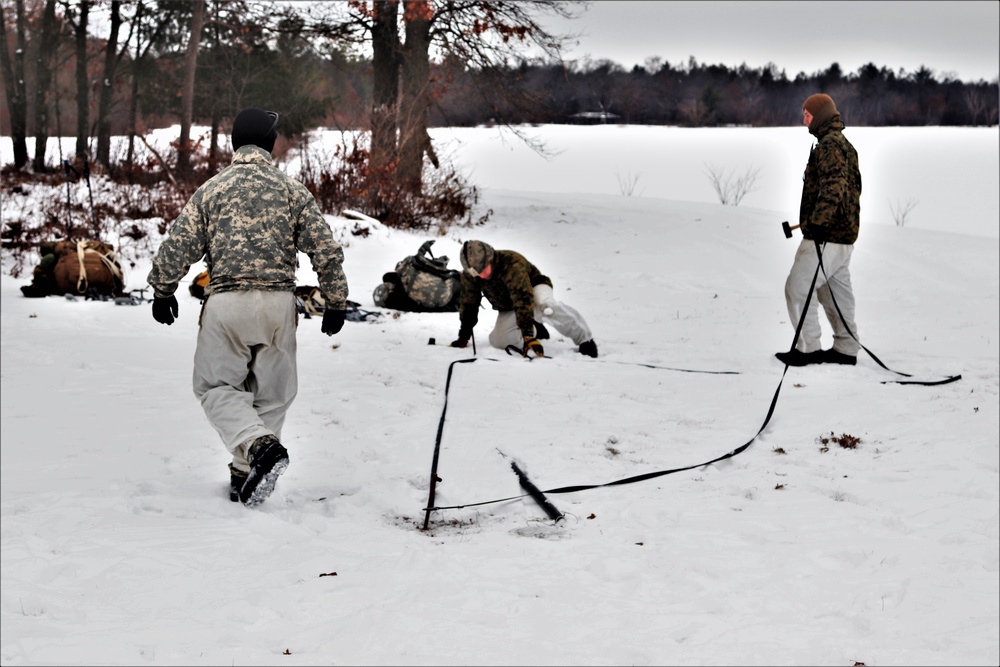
x=420 y=283
x=80 y=267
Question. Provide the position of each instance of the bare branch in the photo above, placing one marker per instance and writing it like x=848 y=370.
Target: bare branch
x=901 y=210
x=730 y=188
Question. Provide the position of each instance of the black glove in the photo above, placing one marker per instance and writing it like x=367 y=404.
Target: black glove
x=462 y=340
x=165 y=309
x=333 y=321
x=532 y=345
x=818 y=233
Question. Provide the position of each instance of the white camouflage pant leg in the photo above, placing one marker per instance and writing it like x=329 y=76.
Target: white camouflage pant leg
x=565 y=319
x=836 y=262
x=245 y=372
x=506 y=332
x=838 y=290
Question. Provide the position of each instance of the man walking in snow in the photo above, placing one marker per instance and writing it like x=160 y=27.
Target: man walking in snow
x=248 y=223
x=522 y=295
x=829 y=218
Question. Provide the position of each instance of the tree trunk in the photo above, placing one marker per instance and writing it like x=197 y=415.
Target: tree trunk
x=43 y=81
x=133 y=105
x=385 y=83
x=82 y=84
x=187 y=94
x=108 y=88
x=413 y=136
x=13 y=76
x=213 y=147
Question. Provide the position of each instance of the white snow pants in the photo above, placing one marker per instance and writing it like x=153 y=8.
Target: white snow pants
x=245 y=372
x=565 y=319
x=836 y=286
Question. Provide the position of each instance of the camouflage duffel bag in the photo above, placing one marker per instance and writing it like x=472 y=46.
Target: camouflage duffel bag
x=420 y=283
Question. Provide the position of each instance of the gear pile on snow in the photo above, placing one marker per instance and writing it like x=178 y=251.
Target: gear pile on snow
x=76 y=268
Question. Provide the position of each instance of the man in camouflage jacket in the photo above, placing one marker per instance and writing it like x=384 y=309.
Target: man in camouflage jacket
x=829 y=218
x=523 y=296
x=248 y=223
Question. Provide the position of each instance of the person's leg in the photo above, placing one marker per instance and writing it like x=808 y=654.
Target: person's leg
x=231 y=327
x=273 y=378
x=797 y=287
x=565 y=319
x=838 y=290
x=506 y=332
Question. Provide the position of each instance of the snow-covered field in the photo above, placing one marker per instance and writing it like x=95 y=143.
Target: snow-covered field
x=120 y=546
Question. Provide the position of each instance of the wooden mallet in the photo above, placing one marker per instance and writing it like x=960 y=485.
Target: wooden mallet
x=787 y=229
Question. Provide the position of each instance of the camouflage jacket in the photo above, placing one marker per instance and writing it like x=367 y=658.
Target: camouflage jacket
x=249 y=222
x=509 y=287
x=831 y=188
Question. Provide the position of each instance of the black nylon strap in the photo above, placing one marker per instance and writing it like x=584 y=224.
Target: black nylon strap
x=660 y=473
x=930 y=383
x=437 y=442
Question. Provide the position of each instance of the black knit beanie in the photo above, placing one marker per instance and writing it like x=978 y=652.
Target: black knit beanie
x=255 y=126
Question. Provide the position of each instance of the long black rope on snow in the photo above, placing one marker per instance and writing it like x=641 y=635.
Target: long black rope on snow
x=437 y=442
x=628 y=480
x=660 y=473
x=927 y=383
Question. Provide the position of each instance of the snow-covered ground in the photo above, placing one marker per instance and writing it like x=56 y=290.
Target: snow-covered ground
x=120 y=545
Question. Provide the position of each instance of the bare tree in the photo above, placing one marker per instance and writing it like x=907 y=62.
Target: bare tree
x=730 y=188
x=111 y=58
x=694 y=111
x=187 y=92
x=485 y=35
x=13 y=76
x=414 y=139
x=48 y=44
x=148 y=28
x=133 y=105
x=79 y=26
x=901 y=210
x=628 y=183
x=975 y=100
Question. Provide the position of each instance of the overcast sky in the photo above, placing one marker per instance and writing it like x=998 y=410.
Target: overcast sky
x=957 y=38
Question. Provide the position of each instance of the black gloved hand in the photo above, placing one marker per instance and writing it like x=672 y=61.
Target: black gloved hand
x=462 y=340
x=165 y=309
x=333 y=321
x=818 y=233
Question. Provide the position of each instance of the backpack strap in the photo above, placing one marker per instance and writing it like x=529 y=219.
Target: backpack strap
x=84 y=247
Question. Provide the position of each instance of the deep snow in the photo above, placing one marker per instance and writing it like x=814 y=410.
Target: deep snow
x=120 y=546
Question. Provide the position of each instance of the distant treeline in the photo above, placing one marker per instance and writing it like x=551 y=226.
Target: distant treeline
x=694 y=94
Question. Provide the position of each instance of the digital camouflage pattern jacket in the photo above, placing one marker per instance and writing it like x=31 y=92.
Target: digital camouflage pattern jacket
x=831 y=188
x=509 y=287
x=248 y=222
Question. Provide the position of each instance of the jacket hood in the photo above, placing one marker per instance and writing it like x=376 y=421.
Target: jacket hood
x=476 y=256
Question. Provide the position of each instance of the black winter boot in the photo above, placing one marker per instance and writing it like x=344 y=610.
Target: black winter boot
x=541 y=333
x=236 y=480
x=589 y=348
x=796 y=358
x=831 y=356
x=268 y=459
